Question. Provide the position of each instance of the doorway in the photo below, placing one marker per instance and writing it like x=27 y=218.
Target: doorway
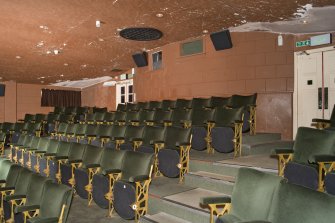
x=125 y=92
x=314 y=88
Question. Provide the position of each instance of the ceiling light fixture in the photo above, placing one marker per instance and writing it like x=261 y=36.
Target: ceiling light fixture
x=101 y=39
x=159 y=15
x=56 y=52
x=18 y=57
x=205 y=31
x=66 y=64
x=48 y=52
x=62 y=75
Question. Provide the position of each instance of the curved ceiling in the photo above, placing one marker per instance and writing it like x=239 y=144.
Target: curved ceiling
x=44 y=41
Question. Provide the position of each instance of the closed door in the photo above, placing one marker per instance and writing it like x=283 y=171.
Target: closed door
x=316 y=86
x=125 y=93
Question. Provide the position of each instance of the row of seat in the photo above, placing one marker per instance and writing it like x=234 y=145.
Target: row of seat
x=260 y=197
x=92 y=171
x=29 y=197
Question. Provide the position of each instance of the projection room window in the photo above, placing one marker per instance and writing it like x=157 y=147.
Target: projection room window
x=191 y=48
x=157 y=60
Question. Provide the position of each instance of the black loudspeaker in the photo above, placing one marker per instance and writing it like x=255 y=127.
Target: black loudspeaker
x=221 y=40
x=2 y=90
x=141 y=59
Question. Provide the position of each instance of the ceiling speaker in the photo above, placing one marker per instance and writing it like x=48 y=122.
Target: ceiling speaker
x=221 y=40
x=141 y=59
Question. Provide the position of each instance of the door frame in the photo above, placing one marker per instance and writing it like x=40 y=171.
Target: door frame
x=124 y=82
x=295 y=92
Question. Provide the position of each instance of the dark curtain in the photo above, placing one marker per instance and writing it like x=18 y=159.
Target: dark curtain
x=60 y=98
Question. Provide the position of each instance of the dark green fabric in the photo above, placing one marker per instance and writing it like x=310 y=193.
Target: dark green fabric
x=199 y=116
x=297 y=204
x=76 y=151
x=218 y=101
x=35 y=189
x=182 y=103
x=135 y=164
x=4 y=169
x=91 y=130
x=237 y=101
x=154 y=104
x=13 y=174
x=62 y=127
x=179 y=114
x=199 y=103
x=118 y=131
x=133 y=132
x=161 y=115
x=252 y=194
x=109 y=116
x=104 y=130
x=112 y=159
x=132 y=115
x=176 y=135
x=145 y=115
x=167 y=104
x=226 y=117
x=152 y=133
x=43 y=220
x=119 y=115
x=23 y=181
x=53 y=146
x=80 y=129
x=63 y=148
x=43 y=144
x=92 y=155
x=310 y=141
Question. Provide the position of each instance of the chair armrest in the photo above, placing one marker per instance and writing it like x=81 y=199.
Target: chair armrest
x=40 y=152
x=23 y=208
x=215 y=200
x=6 y=188
x=50 y=154
x=136 y=139
x=2 y=181
x=238 y=121
x=75 y=161
x=91 y=136
x=30 y=149
x=61 y=157
x=158 y=142
x=14 y=197
x=111 y=171
x=117 y=138
x=138 y=178
x=92 y=165
x=320 y=120
x=322 y=158
x=283 y=151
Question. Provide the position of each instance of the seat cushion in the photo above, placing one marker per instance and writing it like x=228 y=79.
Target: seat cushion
x=302 y=174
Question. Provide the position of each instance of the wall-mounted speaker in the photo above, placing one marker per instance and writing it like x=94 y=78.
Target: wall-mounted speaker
x=141 y=59
x=2 y=90
x=221 y=40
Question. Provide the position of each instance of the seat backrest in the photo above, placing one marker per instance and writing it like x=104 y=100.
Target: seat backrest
x=226 y=116
x=62 y=127
x=199 y=103
x=118 y=131
x=71 y=129
x=52 y=117
x=180 y=114
x=99 y=116
x=91 y=129
x=76 y=151
x=2 y=137
x=13 y=174
x=200 y=116
x=64 y=148
x=218 y=101
x=154 y=105
x=35 y=189
x=176 y=135
x=146 y=115
x=136 y=163
x=295 y=203
x=66 y=118
x=109 y=116
x=23 y=181
x=132 y=115
x=53 y=146
x=53 y=198
x=22 y=139
x=131 y=107
x=104 y=130
x=34 y=142
x=310 y=141
x=237 y=101
x=80 y=129
x=253 y=194
x=4 y=169
x=40 y=117
x=134 y=132
x=96 y=109
x=43 y=144
x=18 y=127
x=29 y=117
x=152 y=134
x=112 y=159
x=90 y=117
x=121 y=107
x=183 y=103
x=167 y=104
x=120 y=116
x=161 y=115
x=27 y=141
x=141 y=105
x=92 y=155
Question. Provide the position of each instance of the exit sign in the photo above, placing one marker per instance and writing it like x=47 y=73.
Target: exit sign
x=303 y=43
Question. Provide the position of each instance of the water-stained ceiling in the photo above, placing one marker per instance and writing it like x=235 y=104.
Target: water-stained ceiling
x=44 y=41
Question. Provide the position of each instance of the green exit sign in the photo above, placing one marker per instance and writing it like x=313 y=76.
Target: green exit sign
x=303 y=43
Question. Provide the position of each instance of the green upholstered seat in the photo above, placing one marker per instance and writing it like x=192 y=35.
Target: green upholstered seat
x=97 y=109
x=11 y=178
x=218 y=101
x=4 y=168
x=152 y=134
x=132 y=133
x=109 y=117
x=227 y=117
x=200 y=116
x=182 y=103
x=161 y=116
x=145 y=115
x=200 y=103
x=168 y=104
x=180 y=117
x=121 y=107
x=152 y=105
x=55 y=204
x=120 y=116
x=143 y=165
x=294 y=204
x=131 y=107
x=236 y=101
x=99 y=117
x=131 y=116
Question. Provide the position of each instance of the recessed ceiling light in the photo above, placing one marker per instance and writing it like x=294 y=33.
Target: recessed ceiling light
x=18 y=57
x=159 y=15
x=62 y=75
x=56 y=52
x=42 y=77
x=205 y=31
x=48 y=52
x=42 y=82
x=101 y=40
x=66 y=64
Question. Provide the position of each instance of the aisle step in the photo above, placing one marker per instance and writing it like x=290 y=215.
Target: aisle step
x=162 y=217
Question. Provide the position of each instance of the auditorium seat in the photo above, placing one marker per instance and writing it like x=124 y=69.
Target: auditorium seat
x=173 y=152
x=313 y=149
x=43 y=156
x=117 y=131
x=224 y=132
x=132 y=133
x=180 y=117
x=102 y=136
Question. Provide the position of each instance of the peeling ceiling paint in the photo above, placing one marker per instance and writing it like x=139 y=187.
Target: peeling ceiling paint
x=32 y=31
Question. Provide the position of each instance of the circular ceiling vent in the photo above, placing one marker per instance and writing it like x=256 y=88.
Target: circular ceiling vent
x=141 y=34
